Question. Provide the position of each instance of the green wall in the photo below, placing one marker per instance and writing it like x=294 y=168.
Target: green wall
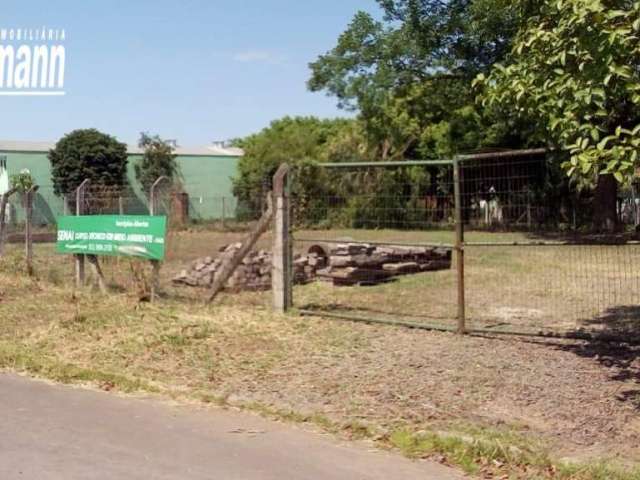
x=207 y=180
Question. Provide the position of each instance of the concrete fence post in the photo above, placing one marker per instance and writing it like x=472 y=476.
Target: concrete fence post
x=282 y=246
x=153 y=210
x=80 y=210
x=28 y=224
x=459 y=245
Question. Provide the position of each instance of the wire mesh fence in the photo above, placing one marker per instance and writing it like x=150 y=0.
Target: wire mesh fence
x=552 y=286
x=379 y=241
x=196 y=227
x=384 y=240
x=532 y=262
x=193 y=235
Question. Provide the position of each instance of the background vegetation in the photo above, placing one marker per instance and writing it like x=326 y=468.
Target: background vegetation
x=431 y=79
x=90 y=154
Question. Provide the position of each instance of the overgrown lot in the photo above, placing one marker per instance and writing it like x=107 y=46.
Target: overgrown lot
x=494 y=406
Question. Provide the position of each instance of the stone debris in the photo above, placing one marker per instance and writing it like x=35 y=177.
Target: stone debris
x=364 y=264
x=342 y=264
x=253 y=273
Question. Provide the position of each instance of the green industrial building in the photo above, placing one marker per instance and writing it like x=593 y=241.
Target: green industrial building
x=206 y=174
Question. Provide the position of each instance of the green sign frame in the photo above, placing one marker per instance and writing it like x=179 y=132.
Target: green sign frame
x=139 y=236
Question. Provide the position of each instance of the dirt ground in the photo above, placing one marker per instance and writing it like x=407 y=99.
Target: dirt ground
x=577 y=399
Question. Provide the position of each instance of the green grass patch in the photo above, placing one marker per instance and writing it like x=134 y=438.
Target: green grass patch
x=39 y=364
x=495 y=454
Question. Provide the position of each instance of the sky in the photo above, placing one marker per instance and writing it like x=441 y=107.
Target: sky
x=192 y=70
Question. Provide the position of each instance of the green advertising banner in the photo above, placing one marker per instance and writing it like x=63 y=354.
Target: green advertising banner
x=119 y=235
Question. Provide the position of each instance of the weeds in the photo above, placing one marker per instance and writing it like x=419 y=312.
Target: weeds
x=477 y=451
x=405 y=390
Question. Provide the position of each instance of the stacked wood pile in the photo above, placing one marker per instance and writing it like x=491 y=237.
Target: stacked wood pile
x=254 y=273
x=342 y=264
x=363 y=264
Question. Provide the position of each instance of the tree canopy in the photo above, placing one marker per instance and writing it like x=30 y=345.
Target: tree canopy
x=158 y=160
x=298 y=141
x=323 y=195
x=409 y=74
x=90 y=154
x=432 y=79
x=574 y=73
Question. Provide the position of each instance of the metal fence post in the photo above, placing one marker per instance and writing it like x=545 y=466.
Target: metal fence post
x=459 y=244
x=155 y=264
x=28 y=223
x=80 y=196
x=282 y=262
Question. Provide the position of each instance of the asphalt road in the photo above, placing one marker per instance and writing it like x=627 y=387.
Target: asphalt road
x=58 y=432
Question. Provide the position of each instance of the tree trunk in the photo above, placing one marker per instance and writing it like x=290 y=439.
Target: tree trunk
x=605 y=203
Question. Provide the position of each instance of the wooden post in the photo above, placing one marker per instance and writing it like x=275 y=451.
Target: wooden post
x=80 y=191
x=97 y=273
x=155 y=264
x=28 y=223
x=459 y=245
x=65 y=205
x=120 y=205
x=281 y=280
x=247 y=244
x=4 y=200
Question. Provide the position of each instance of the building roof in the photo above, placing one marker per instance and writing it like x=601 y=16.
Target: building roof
x=207 y=150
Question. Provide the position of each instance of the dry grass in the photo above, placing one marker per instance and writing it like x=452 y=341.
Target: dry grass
x=489 y=405
x=530 y=288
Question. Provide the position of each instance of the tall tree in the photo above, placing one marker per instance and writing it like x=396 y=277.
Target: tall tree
x=574 y=72
x=413 y=68
x=158 y=160
x=299 y=141
x=88 y=154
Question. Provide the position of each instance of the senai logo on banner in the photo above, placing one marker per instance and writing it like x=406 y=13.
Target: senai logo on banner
x=32 y=61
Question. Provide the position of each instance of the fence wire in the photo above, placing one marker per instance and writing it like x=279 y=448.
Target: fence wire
x=532 y=261
x=381 y=243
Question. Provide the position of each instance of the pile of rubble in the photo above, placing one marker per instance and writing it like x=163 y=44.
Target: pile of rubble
x=342 y=264
x=253 y=273
x=357 y=263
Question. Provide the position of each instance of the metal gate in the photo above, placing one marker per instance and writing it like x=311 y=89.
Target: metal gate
x=482 y=242
x=381 y=240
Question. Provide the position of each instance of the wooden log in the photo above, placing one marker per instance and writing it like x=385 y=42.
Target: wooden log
x=434 y=265
x=353 y=275
x=401 y=268
x=374 y=260
x=229 y=267
x=340 y=261
x=97 y=272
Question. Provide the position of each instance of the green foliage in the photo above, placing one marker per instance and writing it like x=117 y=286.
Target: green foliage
x=574 y=73
x=22 y=181
x=299 y=141
x=374 y=198
x=88 y=154
x=409 y=75
x=158 y=160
